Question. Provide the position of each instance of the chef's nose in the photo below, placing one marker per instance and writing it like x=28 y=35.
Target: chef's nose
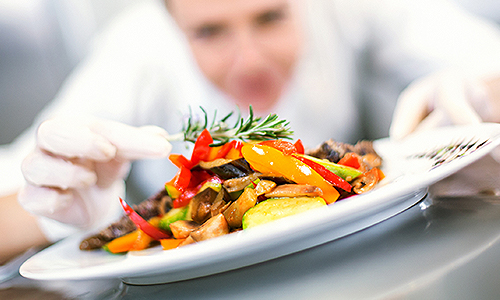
x=248 y=53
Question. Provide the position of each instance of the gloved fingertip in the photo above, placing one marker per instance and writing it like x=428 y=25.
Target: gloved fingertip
x=162 y=149
x=160 y=146
x=155 y=130
x=144 y=146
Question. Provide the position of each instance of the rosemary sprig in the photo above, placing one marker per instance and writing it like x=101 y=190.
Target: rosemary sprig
x=251 y=129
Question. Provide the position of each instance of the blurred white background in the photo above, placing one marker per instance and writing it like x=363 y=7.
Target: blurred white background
x=42 y=40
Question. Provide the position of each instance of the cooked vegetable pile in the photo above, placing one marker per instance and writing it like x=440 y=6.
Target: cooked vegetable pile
x=234 y=185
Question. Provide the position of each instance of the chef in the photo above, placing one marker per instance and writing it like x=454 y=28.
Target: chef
x=333 y=68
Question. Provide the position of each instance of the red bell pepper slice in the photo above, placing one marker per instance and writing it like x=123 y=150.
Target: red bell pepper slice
x=201 y=150
x=328 y=175
x=180 y=160
x=199 y=176
x=224 y=150
x=350 y=159
x=189 y=193
x=299 y=147
x=184 y=198
x=142 y=224
x=182 y=179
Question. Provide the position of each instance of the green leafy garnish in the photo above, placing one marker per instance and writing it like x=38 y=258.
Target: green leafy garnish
x=251 y=129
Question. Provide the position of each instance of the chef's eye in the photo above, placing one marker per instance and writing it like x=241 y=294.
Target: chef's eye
x=271 y=16
x=209 y=31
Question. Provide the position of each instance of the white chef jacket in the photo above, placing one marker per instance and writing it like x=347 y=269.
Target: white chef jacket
x=358 y=56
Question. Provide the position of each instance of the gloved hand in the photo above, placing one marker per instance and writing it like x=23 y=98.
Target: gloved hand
x=443 y=98
x=76 y=173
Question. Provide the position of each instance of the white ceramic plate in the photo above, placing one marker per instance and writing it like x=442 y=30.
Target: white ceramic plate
x=409 y=166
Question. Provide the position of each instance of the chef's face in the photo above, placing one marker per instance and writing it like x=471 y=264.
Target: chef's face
x=247 y=48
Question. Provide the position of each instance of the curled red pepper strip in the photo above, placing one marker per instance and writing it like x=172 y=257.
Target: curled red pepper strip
x=182 y=179
x=201 y=150
x=328 y=175
x=142 y=224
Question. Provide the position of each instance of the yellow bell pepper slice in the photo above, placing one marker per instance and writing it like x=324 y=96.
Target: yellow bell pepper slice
x=266 y=159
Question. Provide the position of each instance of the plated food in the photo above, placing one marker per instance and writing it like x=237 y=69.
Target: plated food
x=237 y=181
x=410 y=166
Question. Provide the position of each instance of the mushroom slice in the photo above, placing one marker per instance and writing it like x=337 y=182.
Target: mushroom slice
x=234 y=213
x=221 y=202
x=365 y=182
x=295 y=190
x=237 y=184
x=264 y=186
x=201 y=203
x=187 y=241
x=182 y=228
x=372 y=160
x=213 y=227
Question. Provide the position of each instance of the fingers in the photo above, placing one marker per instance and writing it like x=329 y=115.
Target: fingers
x=453 y=98
x=412 y=106
x=134 y=142
x=84 y=208
x=101 y=140
x=41 y=169
x=75 y=171
x=442 y=99
x=435 y=119
x=109 y=172
x=73 y=138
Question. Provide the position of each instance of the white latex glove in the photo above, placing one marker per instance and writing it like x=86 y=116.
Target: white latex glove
x=76 y=173
x=443 y=98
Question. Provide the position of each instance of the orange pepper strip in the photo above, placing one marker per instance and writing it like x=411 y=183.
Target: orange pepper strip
x=168 y=244
x=381 y=174
x=234 y=153
x=142 y=242
x=123 y=243
x=267 y=159
x=136 y=240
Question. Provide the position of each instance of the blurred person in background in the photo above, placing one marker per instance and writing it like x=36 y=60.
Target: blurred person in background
x=334 y=69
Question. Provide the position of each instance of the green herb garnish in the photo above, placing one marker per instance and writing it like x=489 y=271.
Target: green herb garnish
x=251 y=129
